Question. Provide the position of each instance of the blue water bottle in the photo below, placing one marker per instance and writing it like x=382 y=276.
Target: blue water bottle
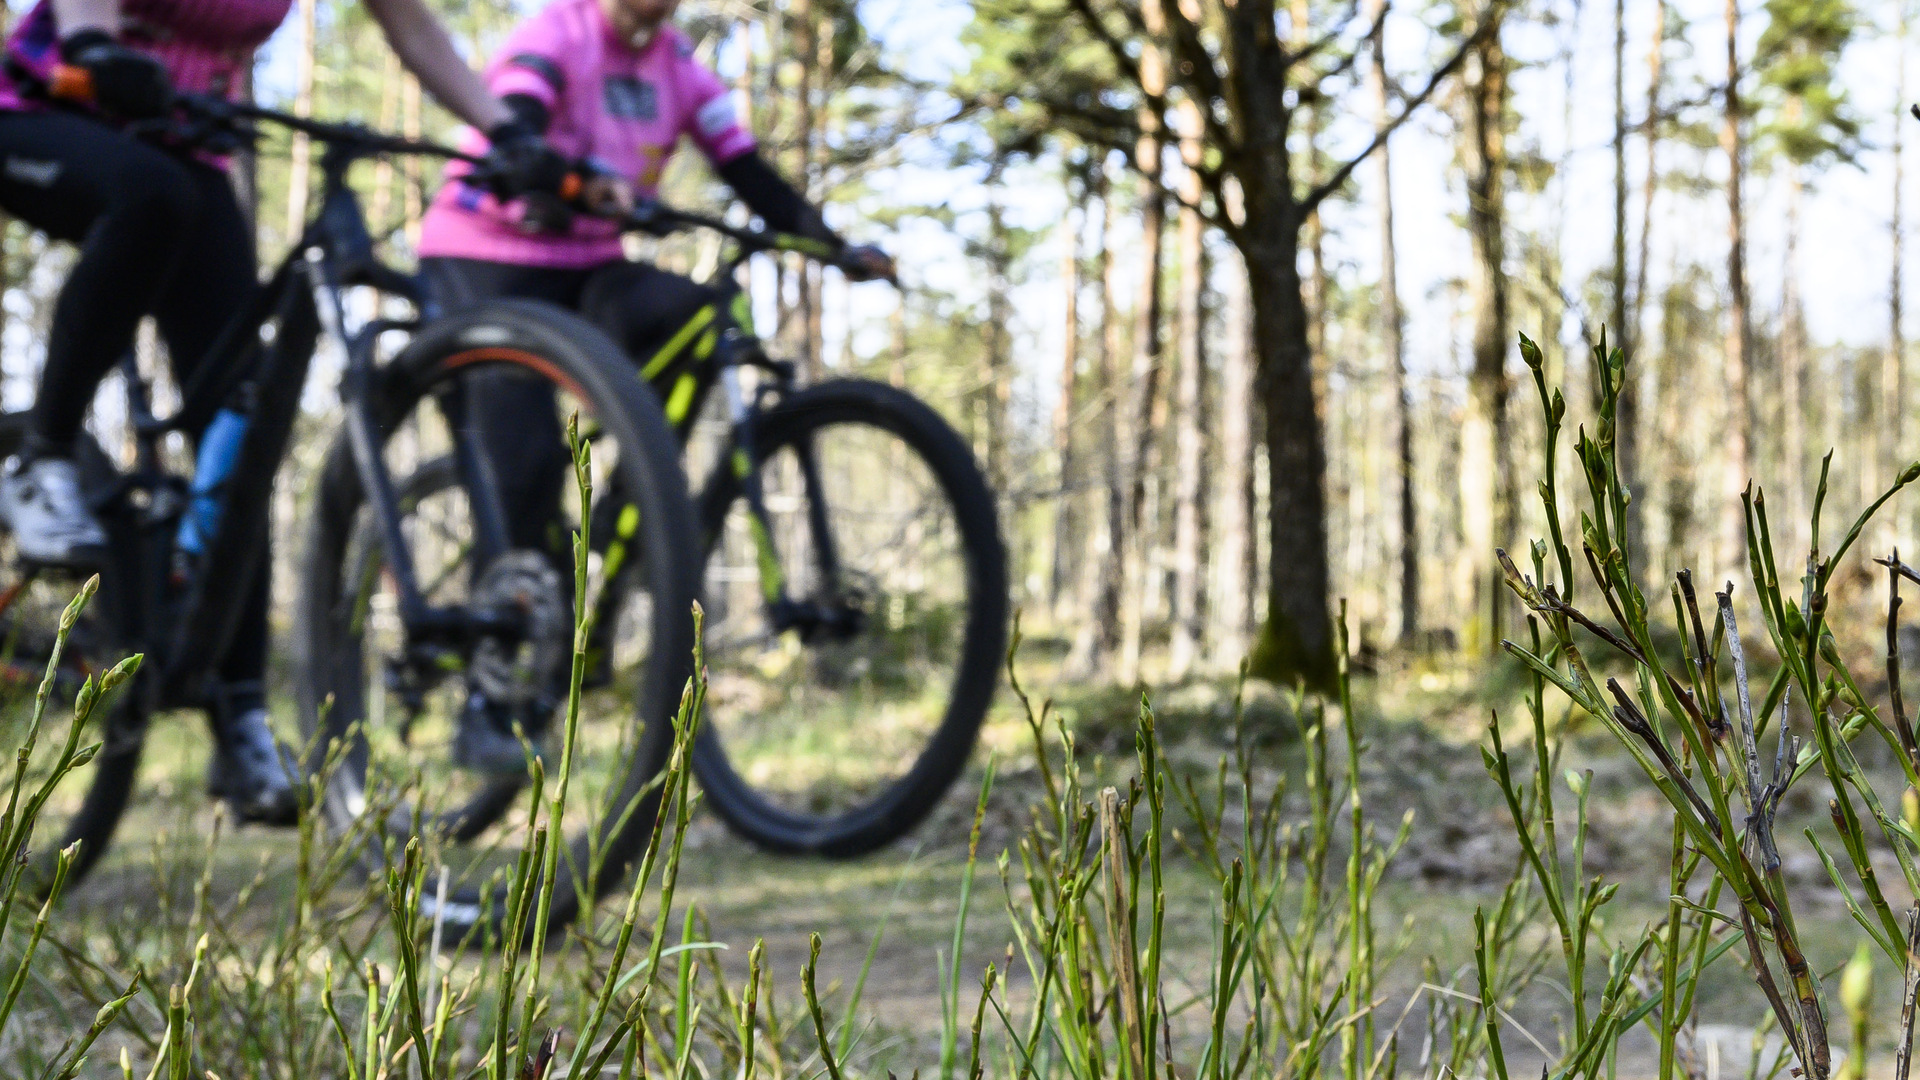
x=219 y=448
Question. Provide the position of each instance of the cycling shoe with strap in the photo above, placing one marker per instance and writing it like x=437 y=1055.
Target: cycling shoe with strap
x=251 y=770
x=42 y=501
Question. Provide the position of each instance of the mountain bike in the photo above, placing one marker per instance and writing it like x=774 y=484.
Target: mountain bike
x=377 y=608
x=855 y=580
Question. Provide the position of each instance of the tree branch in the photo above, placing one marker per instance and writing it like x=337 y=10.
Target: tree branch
x=1333 y=183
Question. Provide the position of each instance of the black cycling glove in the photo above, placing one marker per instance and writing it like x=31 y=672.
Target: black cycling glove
x=126 y=82
x=521 y=163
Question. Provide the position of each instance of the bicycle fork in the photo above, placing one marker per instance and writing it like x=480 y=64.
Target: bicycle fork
x=825 y=610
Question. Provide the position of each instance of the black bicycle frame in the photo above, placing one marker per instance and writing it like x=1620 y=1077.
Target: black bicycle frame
x=712 y=346
x=302 y=299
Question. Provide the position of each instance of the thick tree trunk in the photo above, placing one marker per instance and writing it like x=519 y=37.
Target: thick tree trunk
x=1296 y=638
x=1485 y=471
x=1735 y=438
x=1392 y=330
x=1236 y=576
x=1063 y=414
x=1191 y=421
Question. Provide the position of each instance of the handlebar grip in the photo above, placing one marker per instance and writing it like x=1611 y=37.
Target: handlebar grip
x=70 y=83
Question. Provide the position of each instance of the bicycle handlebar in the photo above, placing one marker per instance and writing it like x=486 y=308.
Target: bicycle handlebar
x=657 y=218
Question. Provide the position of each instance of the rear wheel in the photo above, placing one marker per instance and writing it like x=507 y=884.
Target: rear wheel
x=835 y=724
x=389 y=707
x=85 y=806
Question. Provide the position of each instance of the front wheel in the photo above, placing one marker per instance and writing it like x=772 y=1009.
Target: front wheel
x=389 y=703
x=854 y=638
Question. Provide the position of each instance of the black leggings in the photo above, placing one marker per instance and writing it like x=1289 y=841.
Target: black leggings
x=159 y=235
x=639 y=306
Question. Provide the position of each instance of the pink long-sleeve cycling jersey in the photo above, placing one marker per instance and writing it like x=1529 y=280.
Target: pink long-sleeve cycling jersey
x=206 y=45
x=622 y=107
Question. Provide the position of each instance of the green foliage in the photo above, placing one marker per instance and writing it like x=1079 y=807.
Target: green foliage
x=1809 y=117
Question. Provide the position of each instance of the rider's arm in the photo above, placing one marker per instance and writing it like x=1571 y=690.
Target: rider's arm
x=777 y=202
x=423 y=46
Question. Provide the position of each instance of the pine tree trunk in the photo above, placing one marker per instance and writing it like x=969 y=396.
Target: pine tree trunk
x=1190 y=419
x=1736 y=438
x=381 y=206
x=298 y=174
x=1893 y=376
x=1100 y=570
x=411 y=187
x=1485 y=476
x=998 y=377
x=1793 y=372
x=1141 y=435
x=1393 y=327
x=1651 y=184
x=1627 y=418
x=1236 y=576
x=1063 y=414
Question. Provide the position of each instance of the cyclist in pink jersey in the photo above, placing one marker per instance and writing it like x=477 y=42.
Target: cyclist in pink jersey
x=612 y=84
x=161 y=234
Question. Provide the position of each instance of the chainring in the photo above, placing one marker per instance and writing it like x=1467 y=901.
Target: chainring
x=522 y=673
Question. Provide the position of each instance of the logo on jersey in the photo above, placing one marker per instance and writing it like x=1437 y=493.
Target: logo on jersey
x=630 y=98
x=40 y=174
x=716 y=117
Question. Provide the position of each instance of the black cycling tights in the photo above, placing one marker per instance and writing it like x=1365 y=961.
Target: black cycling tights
x=639 y=306
x=159 y=235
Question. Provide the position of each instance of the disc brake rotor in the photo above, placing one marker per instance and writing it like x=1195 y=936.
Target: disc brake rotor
x=521 y=673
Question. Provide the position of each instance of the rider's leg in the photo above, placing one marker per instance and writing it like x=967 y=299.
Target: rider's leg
x=249 y=769
x=130 y=208
x=526 y=452
x=641 y=306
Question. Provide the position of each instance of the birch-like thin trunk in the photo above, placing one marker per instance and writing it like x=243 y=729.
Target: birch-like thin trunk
x=1142 y=436
x=1893 y=367
x=1100 y=570
x=298 y=163
x=1650 y=131
x=1793 y=371
x=1063 y=414
x=411 y=175
x=1392 y=328
x=1190 y=417
x=1736 y=435
x=381 y=205
x=1236 y=564
x=1485 y=474
x=1627 y=416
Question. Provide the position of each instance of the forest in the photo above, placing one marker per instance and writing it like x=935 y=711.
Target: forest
x=1454 y=467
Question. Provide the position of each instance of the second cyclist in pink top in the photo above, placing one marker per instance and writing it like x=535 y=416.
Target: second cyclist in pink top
x=611 y=84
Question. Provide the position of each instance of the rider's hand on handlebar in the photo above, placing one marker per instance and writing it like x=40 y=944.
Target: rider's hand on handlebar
x=122 y=81
x=864 y=262
x=520 y=162
x=606 y=195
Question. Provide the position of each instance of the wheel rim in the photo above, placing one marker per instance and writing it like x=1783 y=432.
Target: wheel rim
x=820 y=726
x=401 y=771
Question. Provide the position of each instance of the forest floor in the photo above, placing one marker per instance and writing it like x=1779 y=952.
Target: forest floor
x=1425 y=725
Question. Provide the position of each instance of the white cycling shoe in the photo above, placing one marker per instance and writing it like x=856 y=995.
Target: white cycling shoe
x=41 y=501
